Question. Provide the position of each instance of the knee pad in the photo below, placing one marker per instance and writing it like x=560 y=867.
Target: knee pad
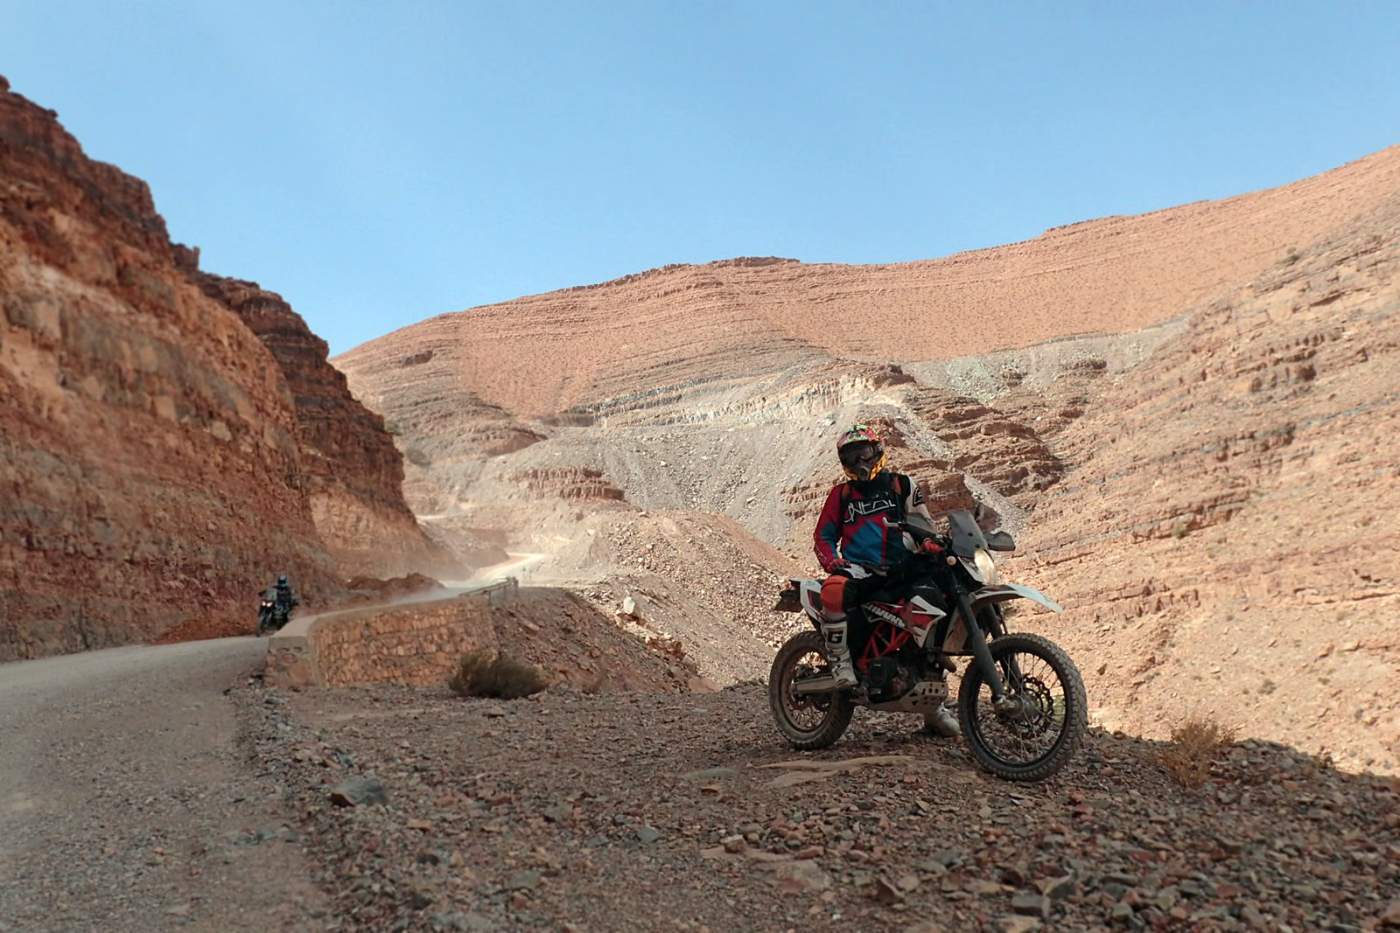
x=833 y=597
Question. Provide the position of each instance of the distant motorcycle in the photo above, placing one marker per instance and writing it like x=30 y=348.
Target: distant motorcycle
x=272 y=615
x=275 y=605
x=1022 y=706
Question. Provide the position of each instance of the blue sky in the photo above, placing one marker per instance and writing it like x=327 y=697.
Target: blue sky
x=381 y=163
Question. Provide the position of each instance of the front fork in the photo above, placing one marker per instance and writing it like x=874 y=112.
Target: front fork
x=982 y=655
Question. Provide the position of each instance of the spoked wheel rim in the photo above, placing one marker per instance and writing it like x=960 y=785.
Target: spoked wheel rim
x=805 y=713
x=1030 y=730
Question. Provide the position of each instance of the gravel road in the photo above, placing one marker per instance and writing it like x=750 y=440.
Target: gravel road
x=187 y=833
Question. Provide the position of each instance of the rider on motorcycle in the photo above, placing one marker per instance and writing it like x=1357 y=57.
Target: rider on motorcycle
x=859 y=550
x=285 y=598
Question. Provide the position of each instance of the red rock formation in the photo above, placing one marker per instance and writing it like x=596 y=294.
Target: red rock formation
x=159 y=464
x=439 y=424
x=149 y=464
x=1225 y=539
x=354 y=472
x=1004 y=452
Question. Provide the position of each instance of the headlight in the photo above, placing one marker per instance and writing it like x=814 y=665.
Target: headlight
x=986 y=567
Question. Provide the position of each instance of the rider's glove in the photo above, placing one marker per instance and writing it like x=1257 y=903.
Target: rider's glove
x=931 y=546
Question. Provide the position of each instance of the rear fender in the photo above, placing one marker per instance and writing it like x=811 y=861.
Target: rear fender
x=804 y=596
x=810 y=593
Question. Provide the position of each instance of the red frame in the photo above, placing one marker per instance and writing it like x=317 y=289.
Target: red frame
x=893 y=639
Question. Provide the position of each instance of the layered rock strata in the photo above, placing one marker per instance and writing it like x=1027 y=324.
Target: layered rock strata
x=354 y=472
x=149 y=455
x=672 y=328
x=1224 y=540
x=159 y=463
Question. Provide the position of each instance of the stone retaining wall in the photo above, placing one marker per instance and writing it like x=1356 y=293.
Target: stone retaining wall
x=415 y=643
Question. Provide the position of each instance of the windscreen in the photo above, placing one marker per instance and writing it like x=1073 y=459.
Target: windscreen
x=967 y=536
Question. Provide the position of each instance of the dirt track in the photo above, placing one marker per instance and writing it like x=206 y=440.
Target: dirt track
x=127 y=799
x=138 y=796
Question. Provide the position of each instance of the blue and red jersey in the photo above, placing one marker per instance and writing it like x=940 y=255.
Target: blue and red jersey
x=854 y=524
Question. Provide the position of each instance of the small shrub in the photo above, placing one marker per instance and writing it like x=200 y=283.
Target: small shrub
x=486 y=673
x=1194 y=746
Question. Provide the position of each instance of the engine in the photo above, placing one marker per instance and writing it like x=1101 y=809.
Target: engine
x=889 y=679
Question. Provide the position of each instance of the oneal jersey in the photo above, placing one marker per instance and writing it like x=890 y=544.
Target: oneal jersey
x=854 y=523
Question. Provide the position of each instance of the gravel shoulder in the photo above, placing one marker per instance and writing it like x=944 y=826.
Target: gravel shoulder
x=129 y=800
x=686 y=812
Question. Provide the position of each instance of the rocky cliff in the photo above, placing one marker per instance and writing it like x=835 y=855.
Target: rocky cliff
x=354 y=473
x=149 y=456
x=153 y=464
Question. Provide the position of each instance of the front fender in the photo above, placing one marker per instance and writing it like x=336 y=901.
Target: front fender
x=1007 y=591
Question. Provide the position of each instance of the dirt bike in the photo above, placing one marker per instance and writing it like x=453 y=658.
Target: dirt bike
x=271 y=617
x=1021 y=706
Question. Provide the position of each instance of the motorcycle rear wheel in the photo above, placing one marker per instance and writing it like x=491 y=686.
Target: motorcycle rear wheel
x=807 y=722
x=1044 y=735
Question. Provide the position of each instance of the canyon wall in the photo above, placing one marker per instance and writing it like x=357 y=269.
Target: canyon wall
x=354 y=473
x=149 y=456
x=157 y=465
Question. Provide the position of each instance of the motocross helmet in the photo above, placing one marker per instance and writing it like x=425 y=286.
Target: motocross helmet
x=282 y=580
x=862 y=453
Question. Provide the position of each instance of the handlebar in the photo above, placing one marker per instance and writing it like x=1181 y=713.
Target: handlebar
x=920 y=535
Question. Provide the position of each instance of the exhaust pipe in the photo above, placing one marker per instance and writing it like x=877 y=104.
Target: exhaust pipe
x=810 y=685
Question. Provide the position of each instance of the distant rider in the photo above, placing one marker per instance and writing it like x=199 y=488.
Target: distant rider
x=284 y=598
x=859 y=550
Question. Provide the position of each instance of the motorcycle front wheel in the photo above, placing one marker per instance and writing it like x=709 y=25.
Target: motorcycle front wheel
x=815 y=720
x=1041 y=729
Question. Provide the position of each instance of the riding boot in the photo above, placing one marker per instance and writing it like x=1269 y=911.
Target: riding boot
x=942 y=722
x=840 y=651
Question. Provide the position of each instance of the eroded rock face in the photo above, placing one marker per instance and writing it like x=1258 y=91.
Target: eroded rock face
x=354 y=472
x=570 y=483
x=171 y=439
x=1224 y=539
x=149 y=460
x=1003 y=451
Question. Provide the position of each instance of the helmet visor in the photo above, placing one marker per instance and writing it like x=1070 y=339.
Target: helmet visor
x=861 y=453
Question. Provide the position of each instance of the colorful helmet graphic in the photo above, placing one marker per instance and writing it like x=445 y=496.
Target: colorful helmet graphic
x=862 y=452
